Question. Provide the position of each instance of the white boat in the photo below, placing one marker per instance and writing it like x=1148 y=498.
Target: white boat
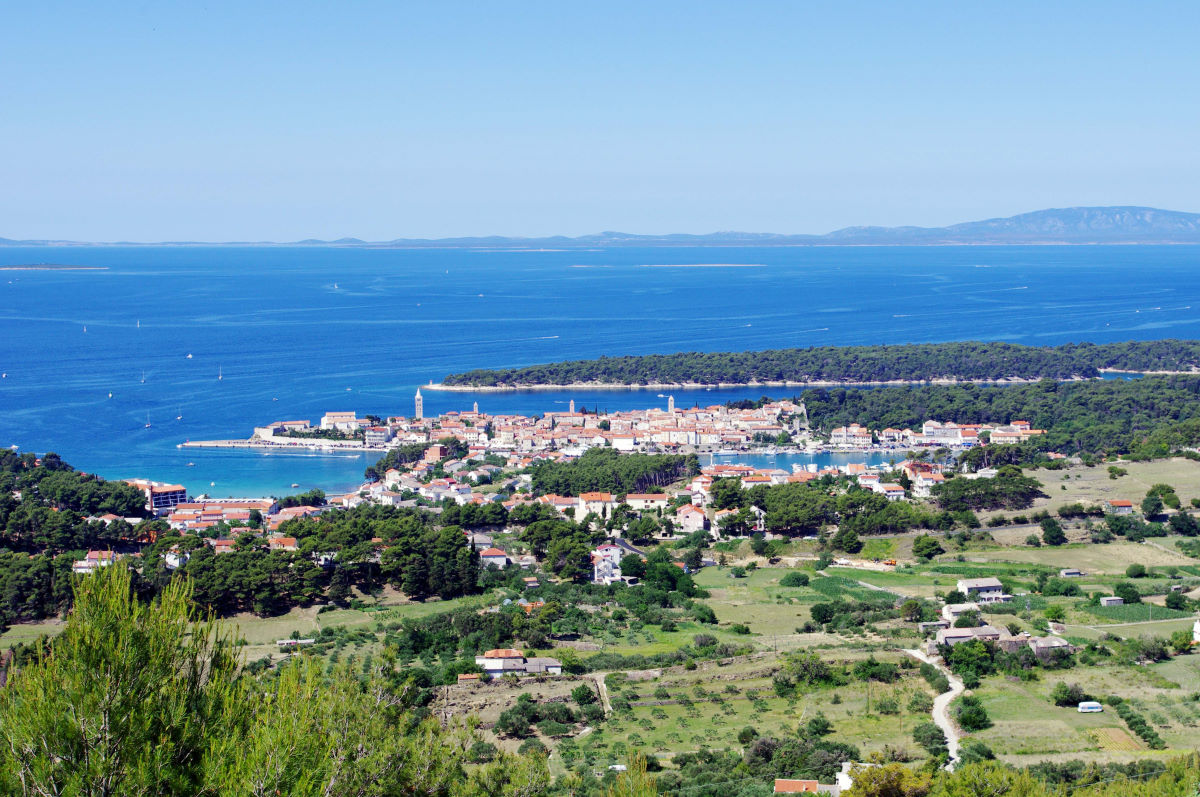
x=147 y=426
x=220 y=373
x=189 y=355
x=294 y=484
x=143 y=377
x=191 y=464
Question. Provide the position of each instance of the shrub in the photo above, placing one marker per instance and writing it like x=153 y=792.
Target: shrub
x=920 y=703
x=740 y=628
x=511 y=722
x=552 y=728
x=973 y=751
x=794 y=579
x=1135 y=570
x=931 y=738
x=583 y=695
x=1065 y=694
x=972 y=716
x=532 y=747
x=887 y=705
x=819 y=726
x=481 y=752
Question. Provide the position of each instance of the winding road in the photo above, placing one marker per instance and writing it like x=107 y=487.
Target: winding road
x=941 y=706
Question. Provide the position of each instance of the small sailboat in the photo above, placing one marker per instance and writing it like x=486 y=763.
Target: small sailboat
x=179 y=417
x=110 y=394
x=189 y=355
x=143 y=377
x=139 y=323
x=85 y=328
x=147 y=426
x=191 y=464
x=295 y=484
x=220 y=373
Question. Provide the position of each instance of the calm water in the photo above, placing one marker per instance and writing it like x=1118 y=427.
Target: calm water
x=297 y=331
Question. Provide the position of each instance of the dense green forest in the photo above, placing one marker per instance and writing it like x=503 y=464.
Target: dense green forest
x=970 y=360
x=1149 y=416
x=608 y=470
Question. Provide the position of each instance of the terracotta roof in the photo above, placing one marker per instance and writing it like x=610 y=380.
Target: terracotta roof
x=504 y=653
x=492 y=552
x=786 y=786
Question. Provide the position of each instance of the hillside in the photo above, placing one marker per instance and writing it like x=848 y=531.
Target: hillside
x=1076 y=225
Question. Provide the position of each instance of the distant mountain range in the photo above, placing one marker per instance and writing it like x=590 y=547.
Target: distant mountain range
x=1092 y=225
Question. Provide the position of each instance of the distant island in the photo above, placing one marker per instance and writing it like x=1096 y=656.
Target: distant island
x=1058 y=226
x=51 y=267
x=922 y=362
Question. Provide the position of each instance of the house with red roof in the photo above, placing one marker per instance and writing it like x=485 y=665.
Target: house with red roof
x=493 y=556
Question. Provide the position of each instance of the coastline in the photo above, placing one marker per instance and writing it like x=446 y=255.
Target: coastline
x=438 y=386
x=719 y=385
x=323 y=445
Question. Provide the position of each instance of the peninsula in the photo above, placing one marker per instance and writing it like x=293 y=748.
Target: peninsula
x=937 y=363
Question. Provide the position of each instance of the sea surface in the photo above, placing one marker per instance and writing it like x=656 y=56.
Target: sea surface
x=297 y=331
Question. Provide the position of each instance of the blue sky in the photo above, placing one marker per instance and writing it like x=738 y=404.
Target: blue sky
x=281 y=121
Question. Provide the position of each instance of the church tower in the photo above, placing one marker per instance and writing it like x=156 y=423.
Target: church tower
x=475 y=408
x=420 y=405
x=670 y=403
x=572 y=410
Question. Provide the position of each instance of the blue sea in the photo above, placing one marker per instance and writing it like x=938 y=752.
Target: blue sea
x=295 y=332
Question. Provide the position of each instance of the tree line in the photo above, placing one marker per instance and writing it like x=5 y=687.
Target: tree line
x=968 y=360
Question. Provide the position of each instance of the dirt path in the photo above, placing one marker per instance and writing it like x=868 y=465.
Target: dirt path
x=941 y=706
x=599 y=676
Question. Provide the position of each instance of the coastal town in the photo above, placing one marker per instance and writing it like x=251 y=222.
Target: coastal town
x=720 y=429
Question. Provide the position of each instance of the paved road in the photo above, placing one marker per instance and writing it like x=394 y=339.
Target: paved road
x=941 y=706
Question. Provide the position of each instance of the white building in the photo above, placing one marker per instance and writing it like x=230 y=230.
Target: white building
x=606 y=563
x=983 y=590
x=852 y=436
x=493 y=556
x=341 y=421
x=644 y=501
x=93 y=561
